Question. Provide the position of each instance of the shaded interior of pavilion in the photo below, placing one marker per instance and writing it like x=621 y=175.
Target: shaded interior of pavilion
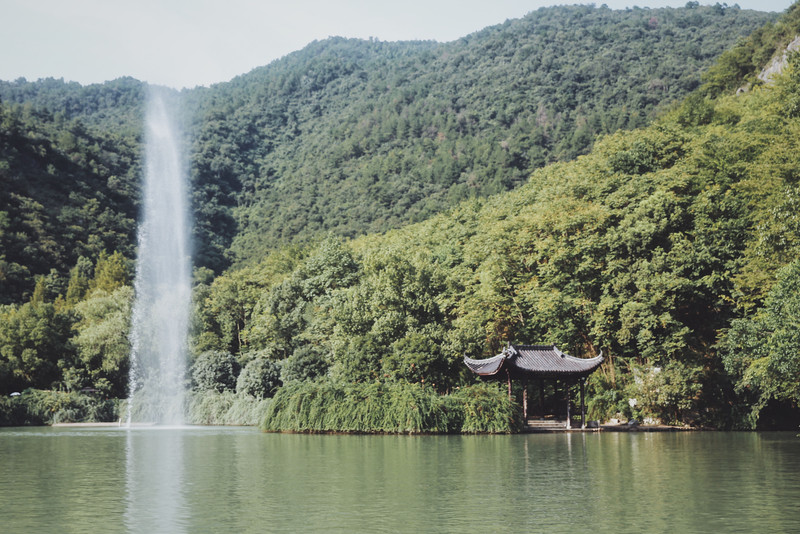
x=547 y=377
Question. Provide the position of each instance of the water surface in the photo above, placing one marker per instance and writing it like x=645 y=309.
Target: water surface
x=240 y=480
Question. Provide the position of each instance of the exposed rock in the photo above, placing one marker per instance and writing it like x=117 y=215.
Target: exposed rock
x=779 y=62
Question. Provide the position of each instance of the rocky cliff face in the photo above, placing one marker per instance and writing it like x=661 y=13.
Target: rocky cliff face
x=779 y=62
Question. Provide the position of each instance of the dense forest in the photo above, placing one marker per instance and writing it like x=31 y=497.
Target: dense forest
x=348 y=136
x=355 y=136
x=672 y=247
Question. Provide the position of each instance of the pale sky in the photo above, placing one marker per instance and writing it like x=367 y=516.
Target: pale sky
x=185 y=43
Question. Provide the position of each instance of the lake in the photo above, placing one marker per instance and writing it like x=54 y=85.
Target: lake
x=216 y=479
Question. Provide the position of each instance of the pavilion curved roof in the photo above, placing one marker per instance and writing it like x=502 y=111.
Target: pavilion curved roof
x=535 y=360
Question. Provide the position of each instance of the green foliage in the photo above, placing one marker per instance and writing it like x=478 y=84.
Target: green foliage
x=351 y=136
x=111 y=272
x=34 y=343
x=215 y=371
x=605 y=393
x=391 y=324
x=306 y=363
x=484 y=408
x=259 y=378
x=740 y=65
x=101 y=339
x=331 y=267
x=416 y=357
x=762 y=352
x=40 y=407
x=327 y=406
x=283 y=317
x=211 y=407
x=666 y=394
x=344 y=136
x=224 y=309
x=69 y=191
x=649 y=246
x=79 y=277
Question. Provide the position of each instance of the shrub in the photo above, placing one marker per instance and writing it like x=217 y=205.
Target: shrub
x=214 y=408
x=40 y=407
x=259 y=378
x=215 y=371
x=393 y=407
x=306 y=363
x=665 y=393
x=485 y=408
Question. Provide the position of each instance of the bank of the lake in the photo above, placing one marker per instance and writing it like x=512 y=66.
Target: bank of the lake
x=318 y=406
x=214 y=479
x=314 y=407
x=35 y=407
x=389 y=407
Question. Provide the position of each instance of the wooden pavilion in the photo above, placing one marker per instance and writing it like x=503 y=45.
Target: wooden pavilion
x=542 y=363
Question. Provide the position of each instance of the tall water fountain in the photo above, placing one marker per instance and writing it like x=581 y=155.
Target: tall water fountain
x=163 y=274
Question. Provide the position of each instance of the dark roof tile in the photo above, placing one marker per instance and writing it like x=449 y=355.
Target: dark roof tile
x=535 y=360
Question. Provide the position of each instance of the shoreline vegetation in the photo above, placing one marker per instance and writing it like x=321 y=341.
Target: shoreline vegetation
x=397 y=408
x=321 y=407
x=314 y=407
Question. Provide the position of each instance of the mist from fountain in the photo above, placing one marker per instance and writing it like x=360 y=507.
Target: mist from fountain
x=160 y=318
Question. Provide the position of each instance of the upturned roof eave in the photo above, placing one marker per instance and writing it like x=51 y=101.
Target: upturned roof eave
x=475 y=365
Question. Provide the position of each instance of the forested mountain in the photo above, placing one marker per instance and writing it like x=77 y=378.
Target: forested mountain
x=67 y=192
x=673 y=247
x=356 y=136
x=352 y=136
x=113 y=108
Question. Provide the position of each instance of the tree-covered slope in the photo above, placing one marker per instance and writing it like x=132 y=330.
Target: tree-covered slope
x=358 y=136
x=67 y=192
x=114 y=108
x=351 y=136
x=673 y=248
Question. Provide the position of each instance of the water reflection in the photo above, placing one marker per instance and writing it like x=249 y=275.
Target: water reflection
x=155 y=499
x=238 y=480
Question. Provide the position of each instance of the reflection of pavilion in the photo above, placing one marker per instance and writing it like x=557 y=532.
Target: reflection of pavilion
x=539 y=362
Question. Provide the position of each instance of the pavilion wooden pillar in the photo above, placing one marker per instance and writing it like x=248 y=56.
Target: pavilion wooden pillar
x=541 y=397
x=583 y=404
x=508 y=375
x=525 y=401
x=569 y=423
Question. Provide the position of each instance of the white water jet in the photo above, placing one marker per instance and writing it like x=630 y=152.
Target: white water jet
x=163 y=274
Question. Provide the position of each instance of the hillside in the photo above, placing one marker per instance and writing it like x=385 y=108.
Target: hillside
x=349 y=136
x=673 y=248
x=68 y=192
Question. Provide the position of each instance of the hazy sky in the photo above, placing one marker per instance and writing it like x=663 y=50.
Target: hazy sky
x=184 y=43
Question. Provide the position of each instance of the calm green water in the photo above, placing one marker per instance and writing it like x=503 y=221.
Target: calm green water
x=240 y=480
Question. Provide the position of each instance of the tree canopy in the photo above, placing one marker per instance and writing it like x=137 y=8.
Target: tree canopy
x=346 y=136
